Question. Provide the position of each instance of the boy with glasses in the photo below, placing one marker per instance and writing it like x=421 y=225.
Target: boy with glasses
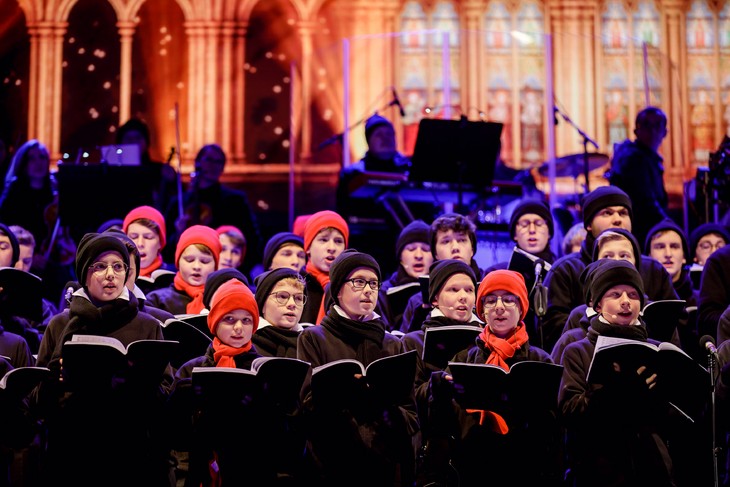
x=281 y=296
x=78 y=451
x=373 y=444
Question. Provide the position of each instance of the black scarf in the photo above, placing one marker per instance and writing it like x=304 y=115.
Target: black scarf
x=276 y=340
x=369 y=334
x=631 y=332
x=438 y=321
x=400 y=276
x=85 y=318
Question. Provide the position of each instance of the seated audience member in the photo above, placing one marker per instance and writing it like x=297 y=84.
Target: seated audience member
x=372 y=443
x=453 y=236
x=196 y=256
x=485 y=440
x=280 y=295
x=604 y=207
x=233 y=247
x=413 y=251
x=78 y=450
x=285 y=249
x=617 y=430
x=145 y=225
x=325 y=237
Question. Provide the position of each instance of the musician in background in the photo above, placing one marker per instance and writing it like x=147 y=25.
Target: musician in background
x=210 y=203
x=382 y=156
x=28 y=189
x=637 y=169
x=162 y=176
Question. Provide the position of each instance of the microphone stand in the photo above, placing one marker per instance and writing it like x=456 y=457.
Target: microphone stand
x=711 y=364
x=586 y=140
x=540 y=303
x=338 y=137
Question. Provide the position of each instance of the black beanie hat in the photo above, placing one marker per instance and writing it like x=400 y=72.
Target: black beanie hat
x=266 y=281
x=13 y=243
x=459 y=221
x=373 y=122
x=416 y=231
x=628 y=235
x=701 y=231
x=276 y=242
x=442 y=270
x=131 y=248
x=587 y=275
x=614 y=273
x=110 y=224
x=91 y=246
x=531 y=206
x=664 y=226
x=344 y=264
x=603 y=197
x=216 y=278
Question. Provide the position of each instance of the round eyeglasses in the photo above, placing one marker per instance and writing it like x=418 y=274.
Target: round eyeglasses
x=283 y=297
x=508 y=301
x=101 y=267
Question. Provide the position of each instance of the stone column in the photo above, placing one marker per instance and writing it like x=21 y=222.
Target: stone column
x=126 y=35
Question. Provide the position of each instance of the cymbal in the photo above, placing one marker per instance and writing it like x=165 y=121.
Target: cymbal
x=572 y=165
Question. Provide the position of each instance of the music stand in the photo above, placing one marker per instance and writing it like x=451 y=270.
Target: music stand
x=456 y=152
x=90 y=194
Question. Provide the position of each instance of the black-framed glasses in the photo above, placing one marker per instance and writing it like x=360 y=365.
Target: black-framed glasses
x=283 y=297
x=508 y=300
x=101 y=267
x=360 y=284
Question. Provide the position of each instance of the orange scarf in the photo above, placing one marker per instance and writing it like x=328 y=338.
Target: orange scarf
x=196 y=292
x=147 y=271
x=323 y=279
x=501 y=349
x=223 y=354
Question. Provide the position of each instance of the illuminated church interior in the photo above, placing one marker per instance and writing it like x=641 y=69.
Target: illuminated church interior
x=278 y=82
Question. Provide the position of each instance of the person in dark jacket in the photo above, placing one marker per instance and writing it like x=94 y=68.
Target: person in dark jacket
x=637 y=169
x=413 y=252
x=604 y=207
x=280 y=295
x=486 y=444
x=614 y=429
x=209 y=202
x=453 y=236
x=285 y=249
x=216 y=451
x=667 y=243
x=196 y=256
x=369 y=443
x=82 y=443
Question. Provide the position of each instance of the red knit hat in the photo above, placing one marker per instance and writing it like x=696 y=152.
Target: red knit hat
x=321 y=220
x=230 y=296
x=299 y=223
x=228 y=228
x=151 y=214
x=198 y=234
x=503 y=280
